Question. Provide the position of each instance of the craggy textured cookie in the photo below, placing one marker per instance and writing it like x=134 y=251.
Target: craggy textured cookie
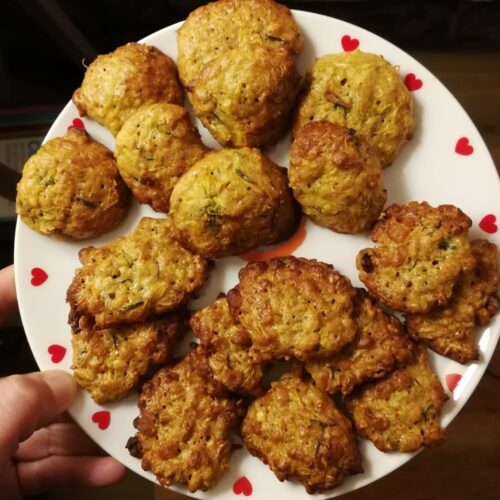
x=449 y=329
x=117 y=84
x=219 y=26
x=297 y=430
x=336 y=177
x=361 y=91
x=378 y=347
x=401 y=412
x=228 y=344
x=245 y=95
x=134 y=276
x=71 y=188
x=109 y=363
x=420 y=252
x=293 y=307
x=183 y=426
x=155 y=146
x=231 y=201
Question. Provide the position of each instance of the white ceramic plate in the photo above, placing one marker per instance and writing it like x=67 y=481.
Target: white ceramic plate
x=445 y=162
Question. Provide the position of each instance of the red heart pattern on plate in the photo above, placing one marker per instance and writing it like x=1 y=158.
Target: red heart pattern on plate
x=77 y=123
x=243 y=485
x=488 y=225
x=462 y=147
x=412 y=82
x=452 y=381
x=349 y=44
x=57 y=352
x=102 y=419
x=38 y=276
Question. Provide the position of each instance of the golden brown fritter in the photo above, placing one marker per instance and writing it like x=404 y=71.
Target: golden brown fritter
x=336 y=177
x=232 y=201
x=147 y=272
x=245 y=95
x=420 y=252
x=71 y=188
x=361 y=91
x=401 y=412
x=117 y=84
x=227 y=344
x=109 y=363
x=218 y=26
x=449 y=329
x=183 y=426
x=378 y=347
x=293 y=307
x=155 y=146
x=297 y=430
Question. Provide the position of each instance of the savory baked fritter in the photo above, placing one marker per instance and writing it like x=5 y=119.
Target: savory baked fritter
x=401 y=412
x=245 y=95
x=227 y=344
x=361 y=91
x=378 y=347
x=293 y=307
x=117 y=84
x=218 y=26
x=449 y=329
x=232 y=201
x=71 y=188
x=147 y=272
x=297 y=430
x=183 y=426
x=155 y=146
x=109 y=363
x=420 y=252
x=336 y=177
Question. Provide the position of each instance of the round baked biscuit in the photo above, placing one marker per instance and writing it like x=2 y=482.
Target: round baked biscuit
x=212 y=29
x=244 y=96
x=293 y=307
x=336 y=177
x=117 y=84
x=361 y=91
x=71 y=188
x=379 y=346
x=183 y=426
x=401 y=412
x=109 y=363
x=297 y=430
x=227 y=344
x=155 y=146
x=420 y=253
x=449 y=330
x=231 y=201
x=127 y=280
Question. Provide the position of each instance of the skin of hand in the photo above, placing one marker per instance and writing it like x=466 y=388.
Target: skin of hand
x=41 y=448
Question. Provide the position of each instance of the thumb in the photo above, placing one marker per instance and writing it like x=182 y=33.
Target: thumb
x=31 y=401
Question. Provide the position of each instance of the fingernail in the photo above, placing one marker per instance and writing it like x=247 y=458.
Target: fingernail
x=61 y=384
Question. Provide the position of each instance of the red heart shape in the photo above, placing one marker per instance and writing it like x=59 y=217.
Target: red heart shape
x=452 y=381
x=57 y=352
x=243 y=485
x=77 y=123
x=38 y=276
x=102 y=419
x=463 y=147
x=412 y=82
x=349 y=44
x=488 y=225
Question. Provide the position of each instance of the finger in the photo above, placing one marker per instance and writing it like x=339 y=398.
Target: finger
x=63 y=439
x=29 y=402
x=8 y=300
x=62 y=472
